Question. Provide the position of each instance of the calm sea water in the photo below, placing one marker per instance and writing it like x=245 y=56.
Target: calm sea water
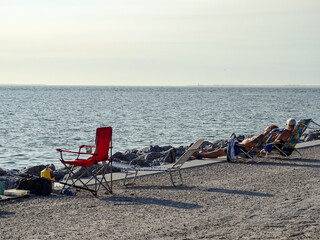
x=37 y=120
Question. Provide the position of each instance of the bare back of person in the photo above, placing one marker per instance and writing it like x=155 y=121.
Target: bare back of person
x=254 y=141
x=284 y=136
x=249 y=143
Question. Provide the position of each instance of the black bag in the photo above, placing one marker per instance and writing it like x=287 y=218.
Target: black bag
x=38 y=186
x=285 y=150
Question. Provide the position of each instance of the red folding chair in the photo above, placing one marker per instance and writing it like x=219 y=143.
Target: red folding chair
x=95 y=164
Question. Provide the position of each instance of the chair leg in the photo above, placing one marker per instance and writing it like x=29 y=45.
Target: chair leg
x=282 y=152
x=110 y=163
x=179 y=175
x=126 y=177
x=74 y=181
x=102 y=182
x=85 y=183
x=248 y=155
x=298 y=152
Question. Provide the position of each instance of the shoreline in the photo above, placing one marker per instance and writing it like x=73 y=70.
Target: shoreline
x=276 y=198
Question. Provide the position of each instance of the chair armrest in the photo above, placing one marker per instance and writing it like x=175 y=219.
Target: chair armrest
x=61 y=151
x=73 y=152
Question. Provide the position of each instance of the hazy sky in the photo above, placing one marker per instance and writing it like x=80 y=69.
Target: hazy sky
x=159 y=42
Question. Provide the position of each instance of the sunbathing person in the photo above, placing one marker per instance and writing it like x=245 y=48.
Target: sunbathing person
x=246 y=145
x=285 y=136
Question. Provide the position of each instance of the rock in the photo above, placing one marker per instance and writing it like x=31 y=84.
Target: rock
x=151 y=148
x=311 y=137
x=59 y=174
x=10 y=181
x=118 y=155
x=3 y=172
x=140 y=161
x=170 y=156
x=144 y=150
x=129 y=156
x=180 y=151
x=152 y=155
x=52 y=167
x=35 y=170
x=156 y=148
x=131 y=151
x=80 y=171
x=166 y=148
x=157 y=162
x=219 y=144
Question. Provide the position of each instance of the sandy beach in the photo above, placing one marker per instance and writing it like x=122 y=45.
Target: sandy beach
x=273 y=199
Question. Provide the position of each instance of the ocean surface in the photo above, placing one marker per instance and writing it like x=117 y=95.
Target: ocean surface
x=35 y=120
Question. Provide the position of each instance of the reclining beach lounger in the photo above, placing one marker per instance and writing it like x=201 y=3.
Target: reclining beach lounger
x=134 y=169
x=233 y=149
x=287 y=148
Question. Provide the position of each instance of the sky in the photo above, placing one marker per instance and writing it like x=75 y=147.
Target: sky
x=160 y=42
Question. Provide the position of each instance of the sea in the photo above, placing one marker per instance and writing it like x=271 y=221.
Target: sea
x=36 y=120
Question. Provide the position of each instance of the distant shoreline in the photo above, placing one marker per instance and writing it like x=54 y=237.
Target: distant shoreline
x=158 y=86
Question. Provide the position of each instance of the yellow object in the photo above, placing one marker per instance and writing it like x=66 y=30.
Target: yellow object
x=47 y=173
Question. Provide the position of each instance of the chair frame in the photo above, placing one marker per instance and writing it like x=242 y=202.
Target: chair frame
x=293 y=144
x=176 y=167
x=98 y=169
x=264 y=142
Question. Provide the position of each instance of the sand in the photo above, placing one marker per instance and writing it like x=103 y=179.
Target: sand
x=273 y=199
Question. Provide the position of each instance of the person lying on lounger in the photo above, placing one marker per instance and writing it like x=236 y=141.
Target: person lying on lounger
x=246 y=145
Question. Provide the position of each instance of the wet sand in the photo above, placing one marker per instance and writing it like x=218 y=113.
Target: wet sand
x=273 y=199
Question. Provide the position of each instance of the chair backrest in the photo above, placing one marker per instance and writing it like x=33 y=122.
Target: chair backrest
x=266 y=142
x=268 y=138
x=188 y=154
x=297 y=132
x=103 y=144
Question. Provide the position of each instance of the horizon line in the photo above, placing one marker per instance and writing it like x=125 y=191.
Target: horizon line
x=198 y=85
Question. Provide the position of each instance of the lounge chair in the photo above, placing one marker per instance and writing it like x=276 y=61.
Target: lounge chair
x=287 y=148
x=101 y=159
x=254 y=151
x=176 y=167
